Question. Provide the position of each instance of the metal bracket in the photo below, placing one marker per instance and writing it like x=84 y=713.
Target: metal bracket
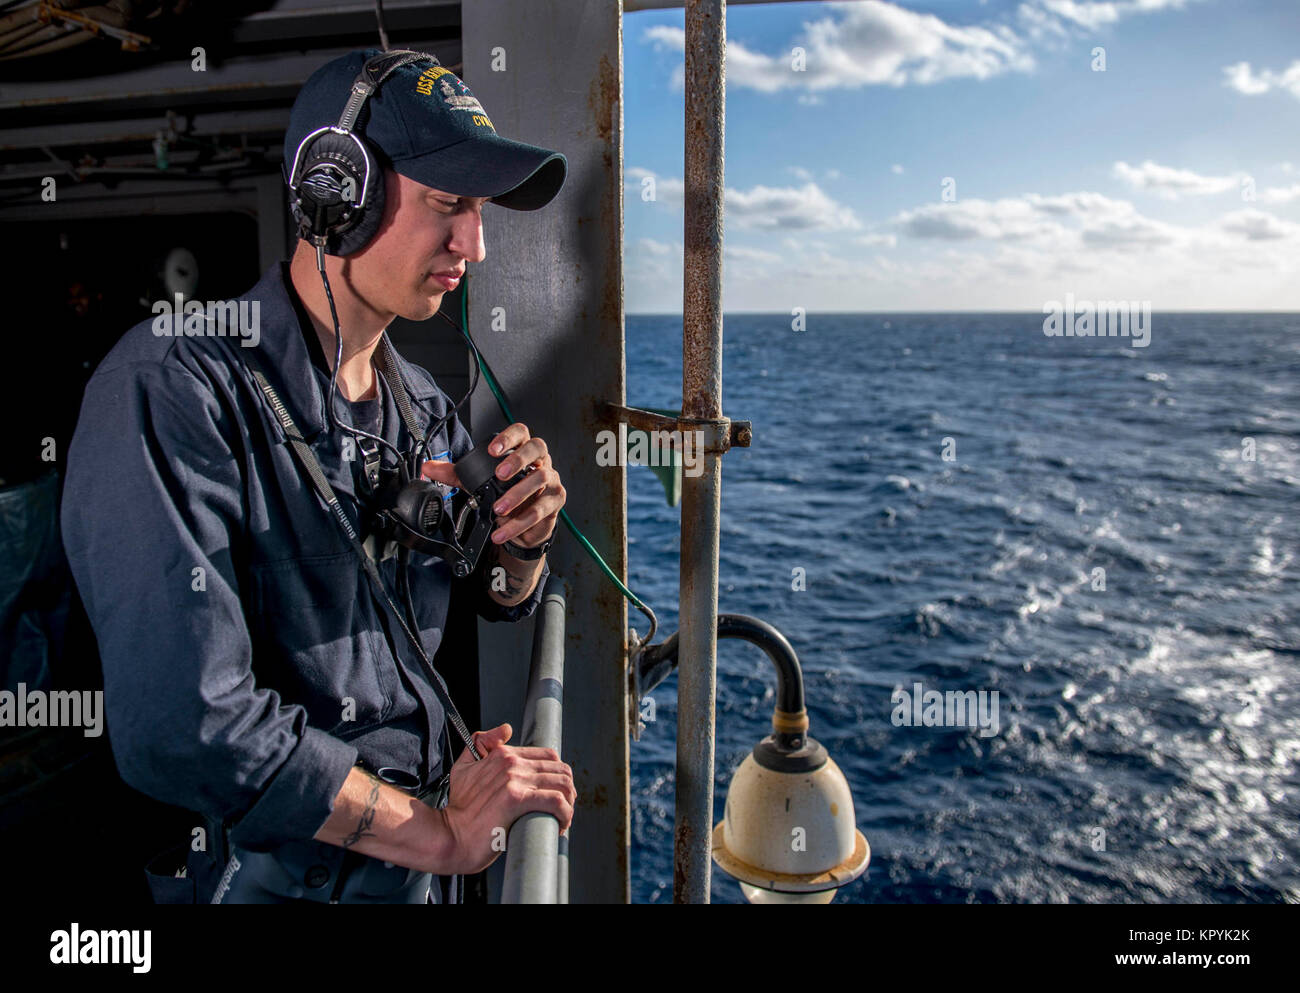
x=720 y=433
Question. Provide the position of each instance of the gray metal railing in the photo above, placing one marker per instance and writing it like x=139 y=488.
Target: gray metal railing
x=537 y=858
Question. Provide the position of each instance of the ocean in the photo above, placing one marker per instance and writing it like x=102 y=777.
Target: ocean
x=1104 y=535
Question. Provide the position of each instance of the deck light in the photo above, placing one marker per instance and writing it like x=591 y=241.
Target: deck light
x=788 y=833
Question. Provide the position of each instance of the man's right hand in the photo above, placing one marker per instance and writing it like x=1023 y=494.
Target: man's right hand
x=488 y=795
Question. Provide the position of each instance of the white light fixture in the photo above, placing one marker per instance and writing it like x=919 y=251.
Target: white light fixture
x=788 y=833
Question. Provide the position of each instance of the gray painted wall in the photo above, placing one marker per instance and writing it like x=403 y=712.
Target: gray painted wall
x=557 y=274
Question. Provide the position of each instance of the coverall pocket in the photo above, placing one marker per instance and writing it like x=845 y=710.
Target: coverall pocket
x=168 y=878
x=318 y=636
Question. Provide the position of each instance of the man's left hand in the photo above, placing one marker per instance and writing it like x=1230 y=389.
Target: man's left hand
x=528 y=511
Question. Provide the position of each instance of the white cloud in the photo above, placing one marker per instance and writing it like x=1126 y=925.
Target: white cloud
x=665 y=36
x=896 y=169
x=833 y=174
x=1081 y=204
x=1026 y=249
x=1064 y=225
x=1243 y=79
x=1013 y=218
x=654 y=267
x=1279 y=194
x=871 y=43
x=1039 y=24
x=996 y=254
x=1055 y=16
x=805 y=207
x=1086 y=15
x=799 y=172
x=666 y=189
x=750 y=256
x=1256 y=225
x=1172 y=183
x=1128 y=231
x=652 y=247
x=879 y=43
x=803 y=244
x=872 y=240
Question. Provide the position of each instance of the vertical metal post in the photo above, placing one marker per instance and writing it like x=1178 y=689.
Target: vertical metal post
x=701 y=400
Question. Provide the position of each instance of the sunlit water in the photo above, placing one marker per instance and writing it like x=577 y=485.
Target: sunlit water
x=1149 y=734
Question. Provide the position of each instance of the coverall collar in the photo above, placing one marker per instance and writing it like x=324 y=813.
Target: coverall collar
x=286 y=329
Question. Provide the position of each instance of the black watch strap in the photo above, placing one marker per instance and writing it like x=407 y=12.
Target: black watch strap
x=526 y=554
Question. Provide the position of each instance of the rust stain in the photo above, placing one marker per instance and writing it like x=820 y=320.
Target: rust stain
x=597 y=343
x=603 y=98
x=683 y=849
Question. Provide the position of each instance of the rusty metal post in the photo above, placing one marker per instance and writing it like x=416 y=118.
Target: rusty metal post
x=701 y=402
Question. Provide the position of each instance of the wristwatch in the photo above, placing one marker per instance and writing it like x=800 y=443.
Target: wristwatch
x=527 y=554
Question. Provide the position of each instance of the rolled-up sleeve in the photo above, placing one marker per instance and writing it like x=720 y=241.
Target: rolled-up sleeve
x=490 y=610
x=153 y=521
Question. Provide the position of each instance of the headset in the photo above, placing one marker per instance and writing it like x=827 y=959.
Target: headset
x=336 y=195
x=336 y=184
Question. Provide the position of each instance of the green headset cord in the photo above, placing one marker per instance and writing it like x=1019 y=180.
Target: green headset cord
x=504 y=403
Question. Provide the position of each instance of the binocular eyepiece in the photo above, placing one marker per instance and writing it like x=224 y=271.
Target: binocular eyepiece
x=421 y=516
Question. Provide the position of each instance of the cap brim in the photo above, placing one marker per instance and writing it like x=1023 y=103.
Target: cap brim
x=509 y=173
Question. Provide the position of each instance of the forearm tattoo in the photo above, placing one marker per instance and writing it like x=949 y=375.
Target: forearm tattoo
x=515 y=584
x=366 y=820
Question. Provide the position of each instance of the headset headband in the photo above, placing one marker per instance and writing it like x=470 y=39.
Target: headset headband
x=372 y=74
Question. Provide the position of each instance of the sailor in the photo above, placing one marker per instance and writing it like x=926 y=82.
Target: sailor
x=252 y=673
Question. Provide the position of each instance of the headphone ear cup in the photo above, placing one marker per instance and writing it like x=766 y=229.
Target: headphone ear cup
x=369 y=217
x=329 y=195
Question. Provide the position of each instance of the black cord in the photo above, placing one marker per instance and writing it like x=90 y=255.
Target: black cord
x=473 y=385
x=338 y=361
x=383 y=31
x=417 y=461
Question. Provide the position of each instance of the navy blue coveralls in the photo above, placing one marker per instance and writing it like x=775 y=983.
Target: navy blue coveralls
x=247 y=667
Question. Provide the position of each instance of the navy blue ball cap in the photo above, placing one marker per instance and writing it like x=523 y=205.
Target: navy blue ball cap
x=428 y=126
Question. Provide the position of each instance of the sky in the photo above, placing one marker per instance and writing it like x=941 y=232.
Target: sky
x=934 y=155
